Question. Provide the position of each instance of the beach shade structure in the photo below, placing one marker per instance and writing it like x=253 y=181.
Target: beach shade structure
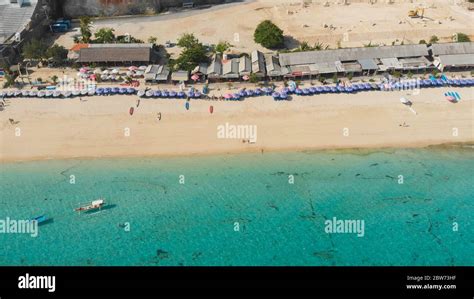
x=181 y=94
x=440 y=82
x=40 y=94
x=92 y=92
x=242 y=93
x=131 y=90
x=326 y=89
x=99 y=91
x=195 y=77
x=286 y=90
x=339 y=88
x=298 y=91
x=228 y=96
x=165 y=94
x=236 y=97
x=319 y=89
x=157 y=93
x=291 y=89
x=84 y=92
x=149 y=93
x=349 y=89
x=449 y=81
x=250 y=93
x=141 y=93
x=456 y=82
x=334 y=89
x=17 y=93
x=267 y=90
x=49 y=94
x=306 y=92
x=470 y=82
x=312 y=90
x=67 y=94
x=76 y=93
x=190 y=94
x=197 y=95
x=172 y=94
x=463 y=82
x=33 y=94
x=114 y=90
x=258 y=92
x=276 y=96
x=107 y=91
x=283 y=96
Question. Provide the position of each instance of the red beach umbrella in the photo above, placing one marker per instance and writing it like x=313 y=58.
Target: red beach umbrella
x=195 y=77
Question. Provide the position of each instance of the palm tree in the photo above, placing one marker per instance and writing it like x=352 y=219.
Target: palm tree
x=85 y=26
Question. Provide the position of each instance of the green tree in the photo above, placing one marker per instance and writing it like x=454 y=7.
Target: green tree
x=191 y=57
x=422 y=41
x=318 y=46
x=57 y=53
x=221 y=47
x=105 y=36
x=253 y=78
x=187 y=40
x=35 y=49
x=54 y=79
x=152 y=40
x=85 y=26
x=434 y=39
x=462 y=38
x=269 y=35
x=304 y=46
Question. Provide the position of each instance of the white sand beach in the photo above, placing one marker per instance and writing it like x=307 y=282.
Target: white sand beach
x=58 y=129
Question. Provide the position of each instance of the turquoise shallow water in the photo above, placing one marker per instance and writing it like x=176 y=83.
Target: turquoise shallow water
x=280 y=223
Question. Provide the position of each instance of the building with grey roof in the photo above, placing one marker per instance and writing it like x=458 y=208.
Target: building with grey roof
x=258 y=64
x=214 y=71
x=155 y=73
x=453 y=56
x=117 y=53
x=245 y=66
x=230 y=69
x=20 y=20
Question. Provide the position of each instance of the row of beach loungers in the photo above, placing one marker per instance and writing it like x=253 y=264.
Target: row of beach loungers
x=245 y=93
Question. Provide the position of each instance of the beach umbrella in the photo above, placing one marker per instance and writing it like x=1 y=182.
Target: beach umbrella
x=312 y=90
x=349 y=89
x=76 y=93
x=334 y=89
x=236 y=97
x=276 y=96
x=181 y=94
x=298 y=91
x=132 y=68
x=339 y=88
x=246 y=77
x=115 y=90
x=283 y=96
x=165 y=94
x=250 y=93
x=115 y=71
x=32 y=94
x=456 y=82
x=84 y=92
x=149 y=93
x=142 y=68
x=258 y=92
x=228 y=96
x=197 y=95
x=83 y=70
x=41 y=94
x=172 y=94
x=141 y=93
x=195 y=77
x=242 y=93
x=157 y=94
x=306 y=91
x=131 y=90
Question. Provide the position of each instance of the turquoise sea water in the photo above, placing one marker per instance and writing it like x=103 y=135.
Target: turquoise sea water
x=280 y=223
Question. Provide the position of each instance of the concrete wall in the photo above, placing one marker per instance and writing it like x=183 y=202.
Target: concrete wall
x=76 y=8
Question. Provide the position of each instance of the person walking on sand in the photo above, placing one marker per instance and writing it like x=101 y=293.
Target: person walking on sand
x=138 y=103
x=159 y=116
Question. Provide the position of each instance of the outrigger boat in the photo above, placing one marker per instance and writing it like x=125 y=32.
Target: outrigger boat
x=40 y=219
x=95 y=205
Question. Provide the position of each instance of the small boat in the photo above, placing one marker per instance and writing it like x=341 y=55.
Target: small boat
x=131 y=110
x=40 y=219
x=406 y=101
x=187 y=105
x=211 y=109
x=95 y=205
